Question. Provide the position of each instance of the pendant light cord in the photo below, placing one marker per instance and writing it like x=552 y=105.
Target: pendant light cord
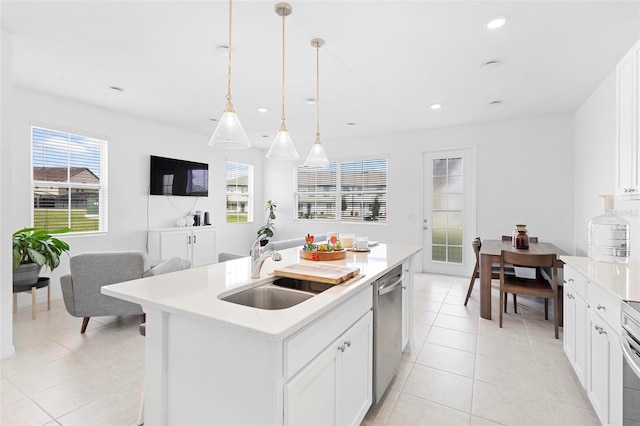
x=229 y=57
x=282 y=126
x=317 y=90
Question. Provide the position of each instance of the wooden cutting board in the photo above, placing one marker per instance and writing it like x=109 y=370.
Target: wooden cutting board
x=329 y=274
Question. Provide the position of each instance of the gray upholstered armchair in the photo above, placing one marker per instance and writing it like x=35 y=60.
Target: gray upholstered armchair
x=90 y=271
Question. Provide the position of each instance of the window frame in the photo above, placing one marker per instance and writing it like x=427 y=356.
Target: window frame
x=101 y=187
x=249 y=193
x=339 y=217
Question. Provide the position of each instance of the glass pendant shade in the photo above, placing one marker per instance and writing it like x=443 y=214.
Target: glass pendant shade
x=317 y=156
x=282 y=147
x=229 y=133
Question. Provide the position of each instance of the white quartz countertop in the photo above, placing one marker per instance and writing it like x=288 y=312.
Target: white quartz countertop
x=623 y=279
x=196 y=292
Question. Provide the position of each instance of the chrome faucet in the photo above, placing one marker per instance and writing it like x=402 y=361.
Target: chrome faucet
x=258 y=259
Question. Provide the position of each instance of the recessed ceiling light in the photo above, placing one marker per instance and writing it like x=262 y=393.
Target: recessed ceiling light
x=263 y=109
x=310 y=101
x=436 y=106
x=223 y=50
x=496 y=22
x=351 y=124
x=494 y=103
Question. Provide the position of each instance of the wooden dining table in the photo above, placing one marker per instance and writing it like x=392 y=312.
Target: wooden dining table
x=490 y=253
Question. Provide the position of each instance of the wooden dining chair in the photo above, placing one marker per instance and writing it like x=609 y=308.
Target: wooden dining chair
x=495 y=271
x=511 y=268
x=538 y=287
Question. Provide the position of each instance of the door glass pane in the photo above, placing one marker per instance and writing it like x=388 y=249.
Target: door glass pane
x=448 y=210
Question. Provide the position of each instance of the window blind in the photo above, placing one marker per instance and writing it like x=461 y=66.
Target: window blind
x=345 y=191
x=239 y=192
x=69 y=181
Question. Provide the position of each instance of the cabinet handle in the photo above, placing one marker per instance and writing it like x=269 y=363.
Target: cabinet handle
x=341 y=348
x=404 y=287
x=570 y=280
x=348 y=343
x=570 y=296
x=194 y=239
x=600 y=329
x=600 y=307
x=189 y=237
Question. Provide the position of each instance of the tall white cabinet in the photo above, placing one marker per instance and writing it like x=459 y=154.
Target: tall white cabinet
x=627 y=124
x=196 y=244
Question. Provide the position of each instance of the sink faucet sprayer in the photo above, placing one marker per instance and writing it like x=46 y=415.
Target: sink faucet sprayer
x=257 y=259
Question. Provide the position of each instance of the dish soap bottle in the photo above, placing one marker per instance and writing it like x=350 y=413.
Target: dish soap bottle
x=608 y=237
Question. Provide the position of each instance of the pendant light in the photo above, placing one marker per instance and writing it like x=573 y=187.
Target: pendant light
x=282 y=147
x=229 y=133
x=317 y=156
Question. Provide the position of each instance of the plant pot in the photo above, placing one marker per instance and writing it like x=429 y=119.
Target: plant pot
x=26 y=274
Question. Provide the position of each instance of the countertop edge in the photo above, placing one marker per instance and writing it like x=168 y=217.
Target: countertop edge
x=288 y=328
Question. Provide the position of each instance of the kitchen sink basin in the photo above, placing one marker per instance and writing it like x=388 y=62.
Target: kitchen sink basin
x=302 y=285
x=269 y=296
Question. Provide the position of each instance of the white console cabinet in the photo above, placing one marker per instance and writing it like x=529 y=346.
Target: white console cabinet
x=627 y=122
x=196 y=244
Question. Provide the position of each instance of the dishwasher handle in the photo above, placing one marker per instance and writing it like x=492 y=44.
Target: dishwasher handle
x=389 y=288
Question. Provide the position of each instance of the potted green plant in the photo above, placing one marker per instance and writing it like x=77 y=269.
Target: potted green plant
x=266 y=231
x=34 y=248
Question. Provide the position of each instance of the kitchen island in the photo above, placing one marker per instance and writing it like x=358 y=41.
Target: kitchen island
x=210 y=361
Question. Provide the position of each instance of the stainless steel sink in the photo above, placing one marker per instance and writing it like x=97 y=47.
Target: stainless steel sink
x=269 y=297
x=302 y=285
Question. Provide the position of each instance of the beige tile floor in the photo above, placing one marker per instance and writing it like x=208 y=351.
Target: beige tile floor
x=462 y=370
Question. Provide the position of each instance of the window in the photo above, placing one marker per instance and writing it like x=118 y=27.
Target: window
x=447 y=214
x=239 y=192
x=69 y=181
x=353 y=191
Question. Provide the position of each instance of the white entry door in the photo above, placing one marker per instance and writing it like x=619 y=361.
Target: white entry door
x=449 y=211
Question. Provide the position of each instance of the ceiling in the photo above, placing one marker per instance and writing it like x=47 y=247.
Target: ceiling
x=384 y=62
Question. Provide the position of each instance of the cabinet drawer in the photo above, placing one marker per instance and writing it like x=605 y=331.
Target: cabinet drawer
x=607 y=305
x=305 y=345
x=576 y=281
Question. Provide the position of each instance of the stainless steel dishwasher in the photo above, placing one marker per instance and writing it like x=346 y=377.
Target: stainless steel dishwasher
x=387 y=329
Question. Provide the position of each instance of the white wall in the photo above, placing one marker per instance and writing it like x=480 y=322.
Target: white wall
x=595 y=165
x=131 y=141
x=524 y=175
x=6 y=278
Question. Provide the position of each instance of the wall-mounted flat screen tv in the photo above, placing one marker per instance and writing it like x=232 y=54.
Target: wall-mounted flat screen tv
x=178 y=177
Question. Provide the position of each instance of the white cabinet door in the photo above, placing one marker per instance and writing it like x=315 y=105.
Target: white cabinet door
x=574 y=340
x=355 y=386
x=203 y=247
x=407 y=305
x=336 y=387
x=605 y=370
x=569 y=323
x=627 y=121
x=175 y=244
x=309 y=398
